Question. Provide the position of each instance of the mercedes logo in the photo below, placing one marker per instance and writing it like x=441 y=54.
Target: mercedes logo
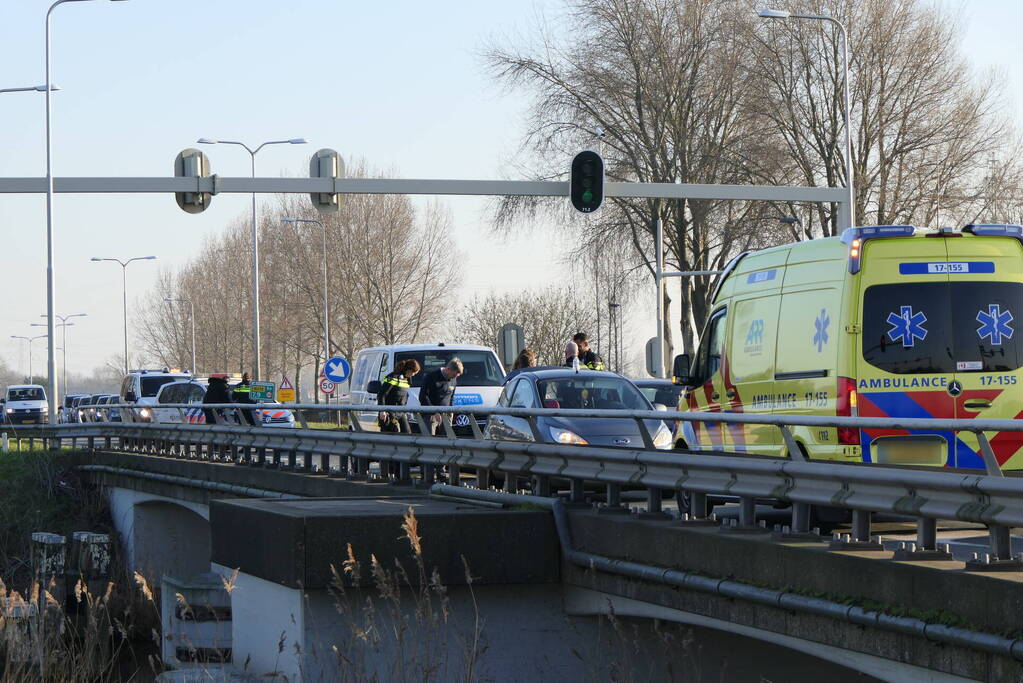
x=955 y=388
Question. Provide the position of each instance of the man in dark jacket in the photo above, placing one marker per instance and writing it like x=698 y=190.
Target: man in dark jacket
x=438 y=388
x=216 y=392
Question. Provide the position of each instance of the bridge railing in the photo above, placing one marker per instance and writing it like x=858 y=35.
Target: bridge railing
x=584 y=473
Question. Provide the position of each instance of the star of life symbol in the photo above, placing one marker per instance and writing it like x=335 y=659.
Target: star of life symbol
x=820 y=335
x=994 y=323
x=907 y=326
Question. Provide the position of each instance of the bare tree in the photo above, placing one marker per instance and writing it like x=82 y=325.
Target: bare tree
x=701 y=91
x=549 y=318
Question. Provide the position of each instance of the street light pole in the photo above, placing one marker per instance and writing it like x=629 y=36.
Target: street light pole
x=51 y=351
x=29 y=340
x=124 y=294
x=851 y=194
x=191 y=315
x=64 y=324
x=33 y=88
x=255 y=239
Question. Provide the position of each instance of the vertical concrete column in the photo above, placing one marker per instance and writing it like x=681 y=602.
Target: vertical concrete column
x=1001 y=542
x=49 y=556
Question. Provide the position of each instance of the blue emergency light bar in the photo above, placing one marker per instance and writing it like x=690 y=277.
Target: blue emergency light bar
x=995 y=230
x=857 y=237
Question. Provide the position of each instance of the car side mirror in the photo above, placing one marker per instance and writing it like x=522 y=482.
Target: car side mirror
x=661 y=407
x=680 y=369
x=373 y=387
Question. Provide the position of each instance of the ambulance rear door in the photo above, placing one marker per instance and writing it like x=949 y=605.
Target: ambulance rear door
x=986 y=275
x=906 y=361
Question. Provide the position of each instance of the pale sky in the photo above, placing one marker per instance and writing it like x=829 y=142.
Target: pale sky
x=398 y=83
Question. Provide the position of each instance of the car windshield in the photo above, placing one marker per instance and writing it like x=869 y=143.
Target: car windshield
x=932 y=327
x=151 y=385
x=481 y=367
x=601 y=393
x=26 y=394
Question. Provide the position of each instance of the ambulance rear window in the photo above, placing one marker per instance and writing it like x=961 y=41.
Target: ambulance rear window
x=943 y=327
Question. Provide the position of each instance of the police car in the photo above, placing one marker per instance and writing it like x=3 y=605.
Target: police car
x=886 y=321
x=193 y=391
x=141 y=386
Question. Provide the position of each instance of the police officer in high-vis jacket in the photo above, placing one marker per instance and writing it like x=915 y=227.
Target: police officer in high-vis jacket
x=394 y=392
x=588 y=358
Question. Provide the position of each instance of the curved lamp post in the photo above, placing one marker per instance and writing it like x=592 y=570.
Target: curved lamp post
x=51 y=351
x=255 y=238
x=124 y=291
x=779 y=14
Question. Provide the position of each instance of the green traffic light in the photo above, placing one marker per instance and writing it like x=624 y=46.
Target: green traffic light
x=588 y=196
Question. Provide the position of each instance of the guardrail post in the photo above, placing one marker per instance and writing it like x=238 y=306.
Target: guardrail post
x=799 y=526
x=614 y=499
x=1000 y=558
x=747 y=522
x=576 y=492
x=482 y=478
x=654 y=509
x=454 y=475
x=542 y=485
x=860 y=538
x=926 y=546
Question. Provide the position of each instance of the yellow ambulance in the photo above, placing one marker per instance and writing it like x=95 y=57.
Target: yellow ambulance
x=886 y=321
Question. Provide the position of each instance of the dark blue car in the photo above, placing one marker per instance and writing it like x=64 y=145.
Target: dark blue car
x=568 y=389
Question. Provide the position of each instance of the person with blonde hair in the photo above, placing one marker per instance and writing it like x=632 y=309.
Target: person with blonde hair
x=526 y=359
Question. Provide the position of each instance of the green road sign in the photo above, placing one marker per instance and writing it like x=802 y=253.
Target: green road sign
x=262 y=392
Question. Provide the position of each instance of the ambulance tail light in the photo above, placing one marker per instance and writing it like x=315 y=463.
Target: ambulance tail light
x=856 y=238
x=846 y=407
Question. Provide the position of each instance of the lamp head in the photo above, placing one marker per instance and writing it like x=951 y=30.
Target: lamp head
x=288 y=220
x=148 y=258
x=297 y=141
x=205 y=141
x=95 y=258
x=773 y=14
x=169 y=300
x=42 y=88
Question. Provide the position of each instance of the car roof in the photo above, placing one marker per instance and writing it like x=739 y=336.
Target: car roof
x=427 y=347
x=24 y=386
x=554 y=372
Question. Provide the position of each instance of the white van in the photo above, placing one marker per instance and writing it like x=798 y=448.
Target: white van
x=25 y=404
x=479 y=385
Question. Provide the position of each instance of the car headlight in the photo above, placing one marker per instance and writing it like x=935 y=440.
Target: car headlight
x=565 y=436
x=144 y=412
x=662 y=439
x=10 y=410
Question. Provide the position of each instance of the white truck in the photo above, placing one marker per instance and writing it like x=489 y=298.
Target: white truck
x=25 y=404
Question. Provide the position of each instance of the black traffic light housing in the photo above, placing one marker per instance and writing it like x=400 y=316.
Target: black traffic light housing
x=586 y=187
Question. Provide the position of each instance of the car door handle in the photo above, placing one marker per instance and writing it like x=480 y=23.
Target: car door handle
x=715 y=396
x=977 y=404
x=730 y=394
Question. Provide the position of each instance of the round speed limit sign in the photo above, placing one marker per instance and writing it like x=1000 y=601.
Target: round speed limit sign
x=326 y=386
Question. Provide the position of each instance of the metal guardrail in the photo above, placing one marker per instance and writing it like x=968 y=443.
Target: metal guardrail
x=925 y=493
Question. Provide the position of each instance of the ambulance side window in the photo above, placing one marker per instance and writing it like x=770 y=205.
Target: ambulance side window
x=709 y=359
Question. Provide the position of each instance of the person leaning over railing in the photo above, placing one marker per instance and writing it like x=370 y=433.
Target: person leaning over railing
x=216 y=392
x=394 y=392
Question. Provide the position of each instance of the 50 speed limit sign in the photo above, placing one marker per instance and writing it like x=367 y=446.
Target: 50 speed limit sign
x=326 y=386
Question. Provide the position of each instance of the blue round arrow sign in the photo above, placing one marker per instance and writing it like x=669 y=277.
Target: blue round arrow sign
x=337 y=369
